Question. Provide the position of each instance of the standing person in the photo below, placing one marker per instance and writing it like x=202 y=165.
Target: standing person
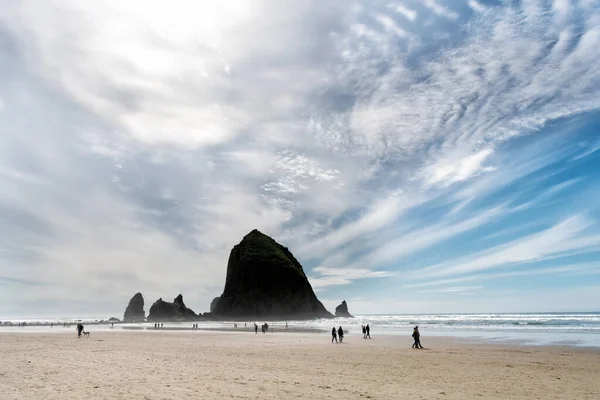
x=364 y=331
x=255 y=328
x=333 y=335
x=286 y=326
x=79 y=329
x=341 y=334
x=417 y=336
x=368 y=329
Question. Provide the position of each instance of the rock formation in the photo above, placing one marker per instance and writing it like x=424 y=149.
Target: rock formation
x=213 y=304
x=341 y=311
x=175 y=311
x=265 y=280
x=135 y=309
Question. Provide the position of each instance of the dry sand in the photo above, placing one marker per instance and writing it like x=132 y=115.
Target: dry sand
x=215 y=365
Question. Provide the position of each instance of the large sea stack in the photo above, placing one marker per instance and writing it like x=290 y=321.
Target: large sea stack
x=341 y=311
x=135 y=309
x=176 y=311
x=265 y=281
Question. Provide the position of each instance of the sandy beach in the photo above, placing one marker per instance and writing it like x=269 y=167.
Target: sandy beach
x=213 y=365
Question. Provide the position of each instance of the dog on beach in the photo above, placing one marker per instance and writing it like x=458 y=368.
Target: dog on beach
x=86 y=334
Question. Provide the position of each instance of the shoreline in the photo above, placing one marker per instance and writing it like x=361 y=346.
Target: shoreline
x=462 y=341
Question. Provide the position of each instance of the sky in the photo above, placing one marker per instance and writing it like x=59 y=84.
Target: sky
x=417 y=156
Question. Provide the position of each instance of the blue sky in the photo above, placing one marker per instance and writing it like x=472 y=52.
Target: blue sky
x=416 y=156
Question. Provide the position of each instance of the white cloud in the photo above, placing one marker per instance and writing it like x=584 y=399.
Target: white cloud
x=453 y=289
x=390 y=25
x=477 y=6
x=565 y=238
x=590 y=150
x=458 y=170
x=440 y=10
x=328 y=276
x=417 y=240
x=561 y=6
x=408 y=13
x=583 y=268
x=549 y=193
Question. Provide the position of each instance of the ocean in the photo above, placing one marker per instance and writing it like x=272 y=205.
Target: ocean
x=570 y=329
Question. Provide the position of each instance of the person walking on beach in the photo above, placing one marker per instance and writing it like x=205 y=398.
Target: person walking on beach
x=341 y=334
x=364 y=331
x=79 y=329
x=417 y=336
x=255 y=328
x=368 y=331
x=333 y=335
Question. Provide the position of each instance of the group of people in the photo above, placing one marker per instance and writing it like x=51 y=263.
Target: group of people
x=366 y=330
x=195 y=326
x=158 y=325
x=335 y=334
x=264 y=328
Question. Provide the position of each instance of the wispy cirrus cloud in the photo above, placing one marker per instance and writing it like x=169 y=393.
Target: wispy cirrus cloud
x=583 y=268
x=565 y=238
x=343 y=276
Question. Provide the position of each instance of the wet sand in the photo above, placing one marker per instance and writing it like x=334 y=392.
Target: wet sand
x=215 y=365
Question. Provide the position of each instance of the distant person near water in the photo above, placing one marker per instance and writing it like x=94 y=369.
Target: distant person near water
x=255 y=327
x=79 y=329
x=417 y=336
x=341 y=334
x=368 y=331
x=364 y=331
x=333 y=335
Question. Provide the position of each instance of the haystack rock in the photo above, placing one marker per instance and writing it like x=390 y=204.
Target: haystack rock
x=265 y=281
x=213 y=304
x=341 y=311
x=135 y=309
x=176 y=311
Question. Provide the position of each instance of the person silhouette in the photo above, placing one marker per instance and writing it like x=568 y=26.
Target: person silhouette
x=341 y=334
x=333 y=335
x=417 y=337
x=368 y=330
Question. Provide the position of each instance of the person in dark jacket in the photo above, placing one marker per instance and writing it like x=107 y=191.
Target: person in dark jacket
x=368 y=330
x=417 y=337
x=333 y=335
x=341 y=334
x=79 y=329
